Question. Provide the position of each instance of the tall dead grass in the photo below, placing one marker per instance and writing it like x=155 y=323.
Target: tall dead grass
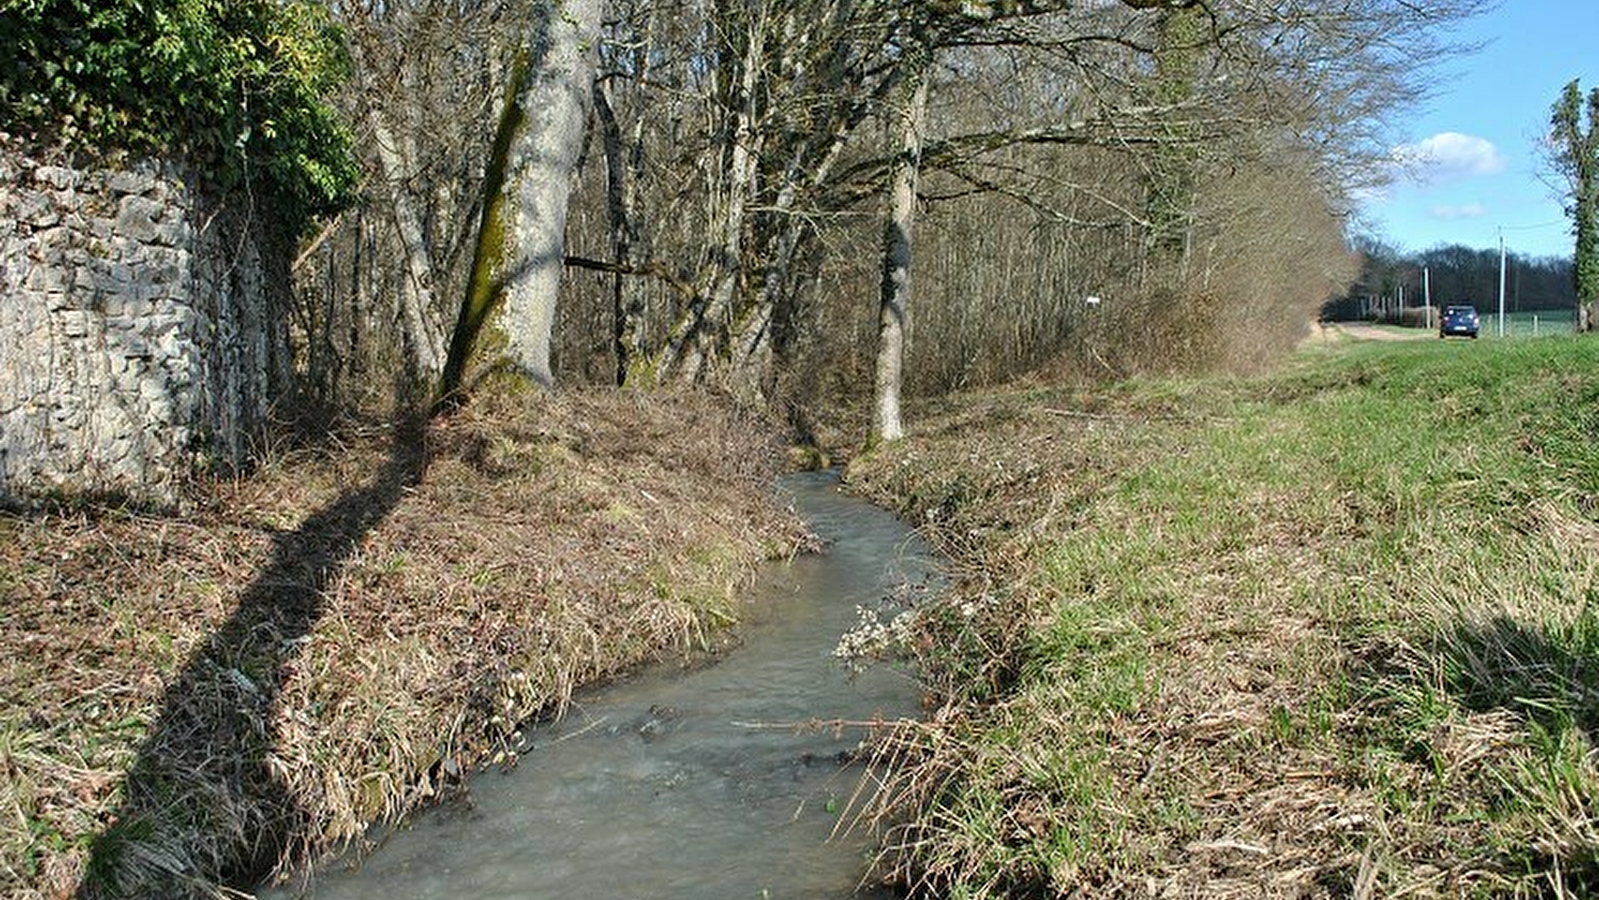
x=546 y=543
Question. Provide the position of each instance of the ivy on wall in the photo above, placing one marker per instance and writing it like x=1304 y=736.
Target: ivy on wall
x=235 y=85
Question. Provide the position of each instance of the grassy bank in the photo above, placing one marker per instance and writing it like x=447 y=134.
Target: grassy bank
x=189 y=701
x=1332 y=632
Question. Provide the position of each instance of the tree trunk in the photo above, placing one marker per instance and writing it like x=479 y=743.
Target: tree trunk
x=625 y=173
x=1586 y=258
x=766 y=325
x=895 y=296
x=542 y=162
x=520 y=253
x=423 y=342
x=621 y=198
x=1172 y=181
x=709 y=325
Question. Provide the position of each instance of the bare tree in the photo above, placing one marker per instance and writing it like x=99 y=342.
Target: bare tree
x=895 y=294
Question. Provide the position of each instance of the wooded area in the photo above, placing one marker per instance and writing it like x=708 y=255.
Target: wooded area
x=750 y=182
x=1452 y=273
x=810 y=202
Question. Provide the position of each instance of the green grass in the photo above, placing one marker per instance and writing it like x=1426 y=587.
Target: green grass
x=1548 y=322
x=1280 y=636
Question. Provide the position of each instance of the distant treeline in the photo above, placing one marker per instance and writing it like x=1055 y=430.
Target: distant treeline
x=1390 y=279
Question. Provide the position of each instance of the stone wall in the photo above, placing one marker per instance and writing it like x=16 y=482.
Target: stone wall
x=141 y=334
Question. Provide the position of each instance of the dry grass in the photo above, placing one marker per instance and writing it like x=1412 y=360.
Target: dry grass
x=1317 y=635
x=193 y=701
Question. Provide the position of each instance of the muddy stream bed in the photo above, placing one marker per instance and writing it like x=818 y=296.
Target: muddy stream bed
x=686 y=782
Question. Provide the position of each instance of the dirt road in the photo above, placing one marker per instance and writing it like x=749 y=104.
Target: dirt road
x=1364 y=331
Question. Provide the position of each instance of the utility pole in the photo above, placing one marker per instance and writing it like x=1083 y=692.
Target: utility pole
x=1501 y=282
x=1426 y=297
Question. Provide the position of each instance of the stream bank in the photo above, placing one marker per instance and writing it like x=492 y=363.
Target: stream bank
x=721 y=781
x=1326 y=632
x=191 y=700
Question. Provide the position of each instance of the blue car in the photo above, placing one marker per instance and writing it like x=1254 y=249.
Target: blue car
x=1461 y=320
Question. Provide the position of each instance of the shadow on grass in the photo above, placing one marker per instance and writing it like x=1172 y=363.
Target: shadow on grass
x=201 y=804
x=1547 y=674
x=1522 y=817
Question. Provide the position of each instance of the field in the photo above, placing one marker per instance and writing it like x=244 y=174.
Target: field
x=1543 y=323
x=1332 y=632
x=1549 y=322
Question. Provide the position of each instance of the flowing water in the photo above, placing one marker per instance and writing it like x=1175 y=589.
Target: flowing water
x=688 y=783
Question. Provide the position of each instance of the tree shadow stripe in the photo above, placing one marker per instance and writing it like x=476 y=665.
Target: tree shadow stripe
x=201 y=806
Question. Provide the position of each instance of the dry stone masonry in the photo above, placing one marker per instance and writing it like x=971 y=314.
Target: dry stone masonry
x=139 y=338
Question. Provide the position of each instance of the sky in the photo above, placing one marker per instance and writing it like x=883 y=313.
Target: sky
x=1475 y=166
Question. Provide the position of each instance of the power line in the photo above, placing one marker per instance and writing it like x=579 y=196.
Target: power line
x=1532 y=227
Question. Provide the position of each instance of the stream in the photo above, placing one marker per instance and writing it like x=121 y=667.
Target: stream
x=687 y=782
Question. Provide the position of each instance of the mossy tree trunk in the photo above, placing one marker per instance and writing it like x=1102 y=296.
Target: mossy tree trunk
x=520 y=252
x=1172 y=181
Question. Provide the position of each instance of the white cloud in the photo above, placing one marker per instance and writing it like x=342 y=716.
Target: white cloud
x=1449 y=156
x=1460 y=211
